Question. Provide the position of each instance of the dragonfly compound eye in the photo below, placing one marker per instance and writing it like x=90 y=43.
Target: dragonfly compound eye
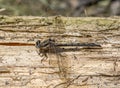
x=38 y=44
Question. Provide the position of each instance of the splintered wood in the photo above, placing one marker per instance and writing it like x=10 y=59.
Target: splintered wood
x=74 y=67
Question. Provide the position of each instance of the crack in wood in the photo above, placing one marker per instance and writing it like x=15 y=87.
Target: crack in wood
x=17 y=44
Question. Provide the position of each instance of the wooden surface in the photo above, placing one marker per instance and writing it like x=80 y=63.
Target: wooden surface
x=20 y=64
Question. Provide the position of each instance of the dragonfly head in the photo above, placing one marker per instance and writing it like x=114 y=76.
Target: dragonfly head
x=38 y=44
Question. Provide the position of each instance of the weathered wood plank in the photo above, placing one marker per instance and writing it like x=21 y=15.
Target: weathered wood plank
x=20 y=64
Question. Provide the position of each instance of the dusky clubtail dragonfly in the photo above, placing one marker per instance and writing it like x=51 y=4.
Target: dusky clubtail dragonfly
x=48 y=44
x=51 y=42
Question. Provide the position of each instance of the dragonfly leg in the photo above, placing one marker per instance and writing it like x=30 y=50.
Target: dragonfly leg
x=44 y=57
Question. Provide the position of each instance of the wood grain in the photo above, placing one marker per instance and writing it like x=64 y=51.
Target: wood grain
x=20 y=64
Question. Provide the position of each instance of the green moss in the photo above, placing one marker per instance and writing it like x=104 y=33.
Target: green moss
x=104 y=22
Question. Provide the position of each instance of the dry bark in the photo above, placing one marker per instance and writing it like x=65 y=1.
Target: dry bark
x=20 y=64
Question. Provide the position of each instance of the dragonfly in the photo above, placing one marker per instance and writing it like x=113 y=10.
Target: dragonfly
x=46 y=45
x=50 y=45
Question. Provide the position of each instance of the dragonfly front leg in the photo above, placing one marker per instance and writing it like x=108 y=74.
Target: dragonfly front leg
x=43 y=54
x=44 y=57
